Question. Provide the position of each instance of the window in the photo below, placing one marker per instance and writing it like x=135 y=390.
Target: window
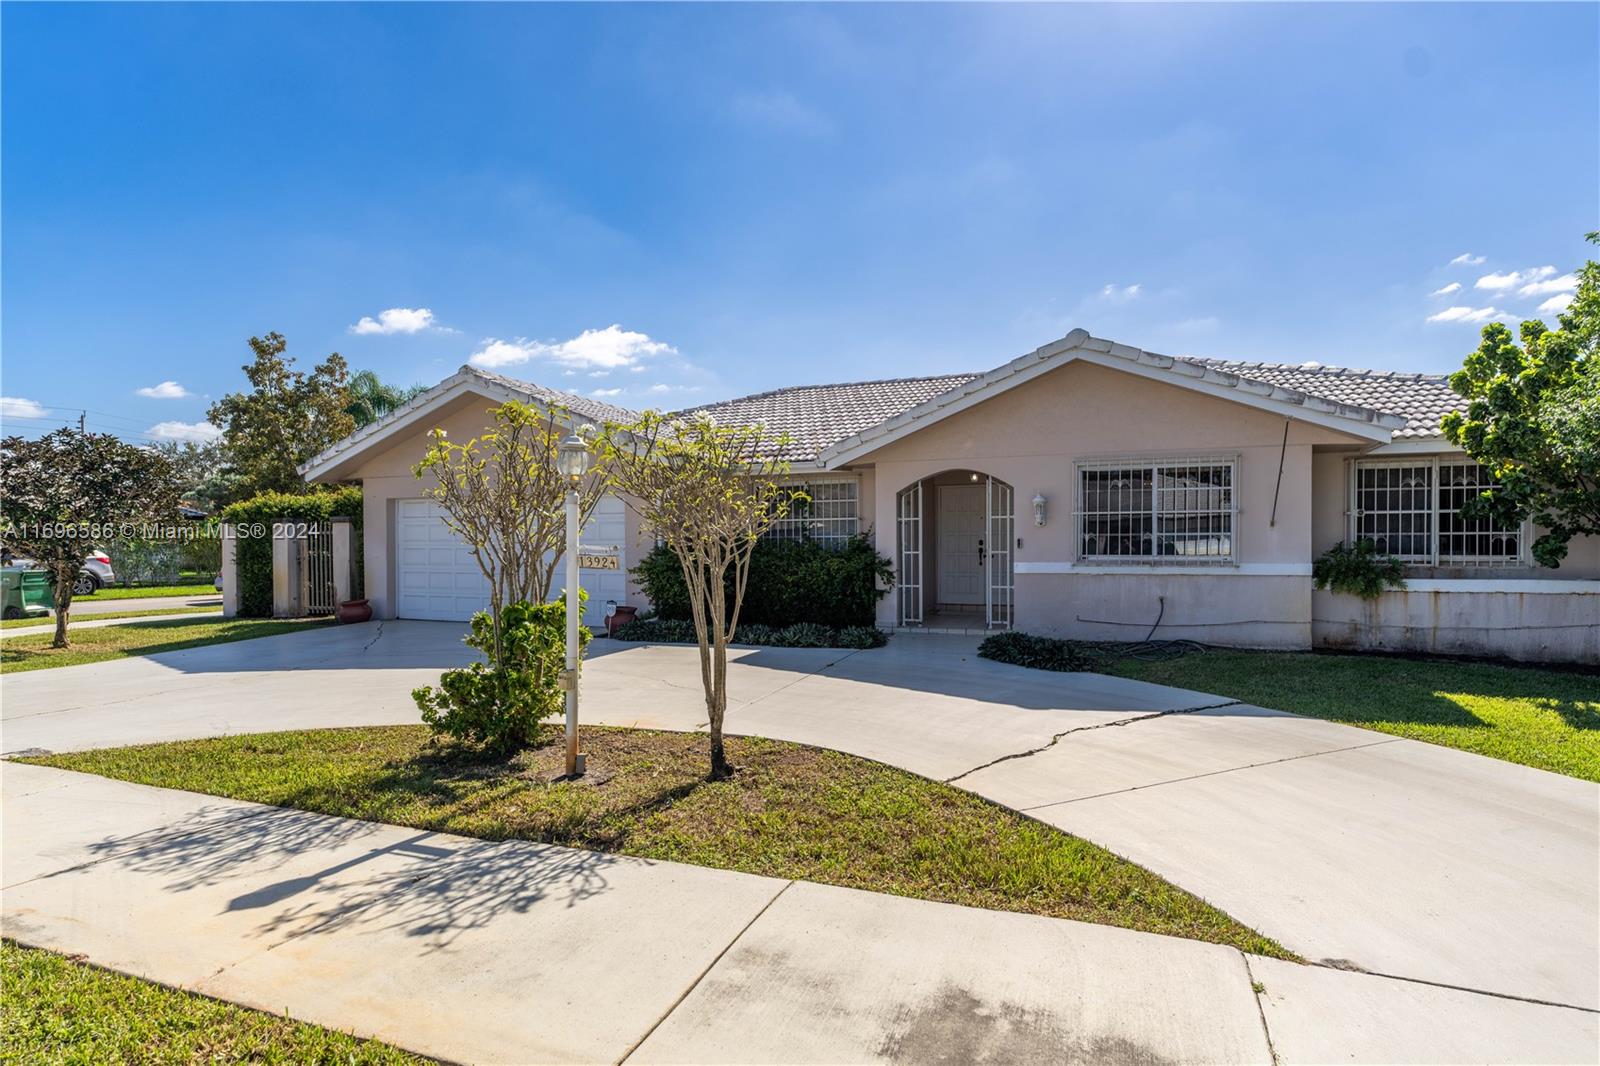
x=1174 y=510
x=832 y=515
x=1412 y=509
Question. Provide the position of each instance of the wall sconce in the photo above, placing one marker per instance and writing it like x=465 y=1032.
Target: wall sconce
x=1038 y=509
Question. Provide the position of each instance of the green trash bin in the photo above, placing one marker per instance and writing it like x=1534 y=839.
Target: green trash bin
x=25 y=593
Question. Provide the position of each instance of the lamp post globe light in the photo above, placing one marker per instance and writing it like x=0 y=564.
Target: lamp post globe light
x=572 y=462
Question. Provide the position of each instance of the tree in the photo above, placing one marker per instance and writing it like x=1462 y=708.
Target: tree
x=1533 y=418
x=202 y=471
x=503 y=496
x=64 y=491
x=285 y=419
x=371 y=398
x=708 y=492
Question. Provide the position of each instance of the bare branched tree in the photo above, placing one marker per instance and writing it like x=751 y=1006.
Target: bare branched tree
x=708 y=492
x=503 y=496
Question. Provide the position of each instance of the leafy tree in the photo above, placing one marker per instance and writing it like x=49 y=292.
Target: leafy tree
x=371 y=398
x=709 y=492
x=1533 y=419
x=202 y=472
x=286 y=418
x=505 y=499
x=67 y=489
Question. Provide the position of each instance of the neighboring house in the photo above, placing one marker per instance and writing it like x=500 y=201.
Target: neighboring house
x=1086 y=489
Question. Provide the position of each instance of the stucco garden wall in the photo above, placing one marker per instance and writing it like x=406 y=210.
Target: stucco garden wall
x=1528 y=620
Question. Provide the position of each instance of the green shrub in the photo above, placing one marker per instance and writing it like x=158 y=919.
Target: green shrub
x=790 y=581
x=1360 y=571
x=501 y=705
x=1040 y=653
x=800 y=635
x=860 y=637
x=253 y=519
x=806 y=635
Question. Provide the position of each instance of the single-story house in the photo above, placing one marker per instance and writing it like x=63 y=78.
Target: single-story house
x=1086 y=489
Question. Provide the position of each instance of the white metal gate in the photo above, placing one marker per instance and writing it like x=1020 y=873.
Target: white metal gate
x=1000 y=588
x=909 y=580
x=317 y=573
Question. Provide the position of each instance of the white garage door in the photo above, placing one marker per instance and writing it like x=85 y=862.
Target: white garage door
x=437 y=578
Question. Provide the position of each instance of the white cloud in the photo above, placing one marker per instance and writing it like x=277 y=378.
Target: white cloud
x=1120 y=293
x=167 y=390
x=594 y=349
x=659 y=388
x=199 y=432
x=1454 y=286
x=1469 y=314
x=1546 y=285
x=1557 y=304
x=1467 y=259
x=606 y=392
x=780 y=110
x=17 y=407
x=395 y=320
x=1498 y=282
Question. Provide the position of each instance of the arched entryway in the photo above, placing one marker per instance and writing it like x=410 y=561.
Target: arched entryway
x=955 y=533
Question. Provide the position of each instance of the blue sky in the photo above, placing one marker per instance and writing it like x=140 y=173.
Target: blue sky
x=666 y=205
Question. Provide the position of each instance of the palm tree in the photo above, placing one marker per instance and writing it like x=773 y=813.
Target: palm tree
x=371 y=398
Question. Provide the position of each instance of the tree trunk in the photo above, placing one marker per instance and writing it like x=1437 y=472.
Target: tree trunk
x=63 y=600
x=717 y=706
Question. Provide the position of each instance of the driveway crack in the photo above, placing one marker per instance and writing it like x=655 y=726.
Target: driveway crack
x=1086 y=728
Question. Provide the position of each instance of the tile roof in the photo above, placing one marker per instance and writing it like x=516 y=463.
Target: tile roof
x=815 y=416
x=1421 y=399
x=585 y=406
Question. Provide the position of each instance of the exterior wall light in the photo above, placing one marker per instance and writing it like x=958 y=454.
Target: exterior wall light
x=1038 y=509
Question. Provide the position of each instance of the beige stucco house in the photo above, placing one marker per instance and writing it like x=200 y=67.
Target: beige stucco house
x=1085 y=489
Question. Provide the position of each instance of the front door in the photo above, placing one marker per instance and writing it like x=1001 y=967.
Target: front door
x=962 y=517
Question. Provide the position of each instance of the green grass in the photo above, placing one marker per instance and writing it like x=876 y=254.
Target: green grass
x=790 y=811
x=58 y=1010
x=33 y=651
x=120 y=593
x=1548 y=719
x=78 y=619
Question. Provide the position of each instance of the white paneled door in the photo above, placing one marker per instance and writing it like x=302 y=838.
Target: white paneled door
x=437 y=578
x=961 y=533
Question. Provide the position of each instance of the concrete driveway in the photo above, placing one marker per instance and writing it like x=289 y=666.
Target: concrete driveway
x=1346 y=845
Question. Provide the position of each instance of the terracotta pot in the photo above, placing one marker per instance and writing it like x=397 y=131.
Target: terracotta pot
x=353 y=611
x=621 y=616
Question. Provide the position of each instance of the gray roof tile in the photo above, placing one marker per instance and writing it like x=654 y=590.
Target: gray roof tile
x=583 y=406
x=1421 y=399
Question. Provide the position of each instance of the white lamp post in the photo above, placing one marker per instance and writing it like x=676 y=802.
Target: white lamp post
x=572 y=461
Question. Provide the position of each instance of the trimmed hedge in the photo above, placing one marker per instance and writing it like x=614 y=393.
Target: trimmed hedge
x=799 y=635
x=253 y=552
x=790 y=581
x=1041 y=653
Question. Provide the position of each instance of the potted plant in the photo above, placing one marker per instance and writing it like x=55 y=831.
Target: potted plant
x=353 y=611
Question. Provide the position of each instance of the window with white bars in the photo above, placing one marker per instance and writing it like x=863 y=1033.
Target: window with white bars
x=831 y=516
x=1172 y=510
x=1411 y=509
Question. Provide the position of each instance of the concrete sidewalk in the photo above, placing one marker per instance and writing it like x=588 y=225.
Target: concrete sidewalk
x=516 y=952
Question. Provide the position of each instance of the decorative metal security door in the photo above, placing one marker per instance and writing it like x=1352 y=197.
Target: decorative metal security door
x=1000 y=587
x=908 y=519
x=317 y=573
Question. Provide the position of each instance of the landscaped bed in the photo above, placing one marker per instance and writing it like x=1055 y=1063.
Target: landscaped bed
x=96 y=644
x=1545 y=718
x=790 y=811
x=58 y=1010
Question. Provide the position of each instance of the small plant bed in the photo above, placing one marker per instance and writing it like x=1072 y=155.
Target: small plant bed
x=789 y=811
x=139 y=592
x=799 y=635
x=97 y=644
x=106 y=616
x=61 y=1011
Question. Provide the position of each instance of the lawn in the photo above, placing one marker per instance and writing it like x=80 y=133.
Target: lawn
x=33 y=651
x=72 y=620
x=61 y=1011
x=1544 y=718
x=119 y=593
x=791 y=811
